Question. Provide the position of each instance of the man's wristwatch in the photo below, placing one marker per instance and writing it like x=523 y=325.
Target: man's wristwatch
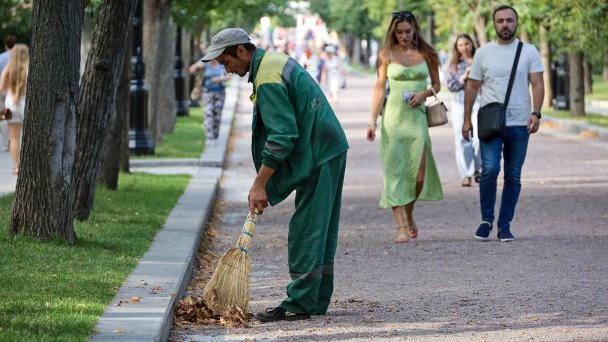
x=537 y=114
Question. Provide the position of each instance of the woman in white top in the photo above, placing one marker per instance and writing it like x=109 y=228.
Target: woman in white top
x=13 y=81
x=332 y=73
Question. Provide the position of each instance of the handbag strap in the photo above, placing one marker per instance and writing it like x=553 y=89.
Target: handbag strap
x=513 y=71
x=434 y=94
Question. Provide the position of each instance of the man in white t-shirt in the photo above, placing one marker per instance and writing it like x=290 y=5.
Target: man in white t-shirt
x=490 y=71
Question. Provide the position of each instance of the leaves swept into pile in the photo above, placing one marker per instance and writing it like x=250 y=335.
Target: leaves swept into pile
x=195 y=310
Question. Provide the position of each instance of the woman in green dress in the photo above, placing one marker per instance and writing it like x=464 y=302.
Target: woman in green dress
x=409 y=168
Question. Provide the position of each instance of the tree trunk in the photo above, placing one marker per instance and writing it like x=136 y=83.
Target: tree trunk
x=605 y=73
x=44 y=192
x=479 y=25
x=166 y=55
x=524 y=34
x=545 y=55
x=116 y=146
x=588 y=75
x=356 y=56
x=577 y=96
x=97 y=95
x=159 y=51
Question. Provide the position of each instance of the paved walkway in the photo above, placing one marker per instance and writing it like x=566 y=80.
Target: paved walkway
x=7 y=180
x=549 y=284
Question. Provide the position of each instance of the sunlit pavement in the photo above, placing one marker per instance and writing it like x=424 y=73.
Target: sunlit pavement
x=548 y=284
x=7 y=180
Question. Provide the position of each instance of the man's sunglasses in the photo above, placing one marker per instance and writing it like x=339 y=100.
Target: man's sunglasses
x=403 y=15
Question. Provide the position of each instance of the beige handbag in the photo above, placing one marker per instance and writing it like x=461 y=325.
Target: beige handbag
x=436 y=112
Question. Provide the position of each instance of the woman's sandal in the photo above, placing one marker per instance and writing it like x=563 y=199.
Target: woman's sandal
x=402 y=238
x=412 y=231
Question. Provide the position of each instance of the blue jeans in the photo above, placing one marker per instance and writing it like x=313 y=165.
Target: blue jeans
x=514 y=143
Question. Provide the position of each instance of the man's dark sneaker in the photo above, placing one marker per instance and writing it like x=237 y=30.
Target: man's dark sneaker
x=483 y=232
x=279 y=314
x=504 y=235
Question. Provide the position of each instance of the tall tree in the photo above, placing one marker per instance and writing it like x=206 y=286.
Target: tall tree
x=44 y=192
x=159 y=47
x=116 y=147
x=97 y=96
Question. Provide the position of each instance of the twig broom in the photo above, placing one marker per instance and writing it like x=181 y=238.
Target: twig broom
x=229 y=285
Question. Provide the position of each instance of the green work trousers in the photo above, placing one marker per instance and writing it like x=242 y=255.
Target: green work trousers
x=313 y=236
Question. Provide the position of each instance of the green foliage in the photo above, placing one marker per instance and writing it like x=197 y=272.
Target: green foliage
x=53 y=291
x=578 y=25
x=215 y=15
x=351 y=16
x=16 y=19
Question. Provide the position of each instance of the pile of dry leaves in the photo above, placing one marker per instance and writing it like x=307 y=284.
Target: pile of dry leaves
x=195 y=310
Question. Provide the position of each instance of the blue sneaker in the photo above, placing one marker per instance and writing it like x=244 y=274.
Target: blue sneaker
x=504 y=235
x=483 y=232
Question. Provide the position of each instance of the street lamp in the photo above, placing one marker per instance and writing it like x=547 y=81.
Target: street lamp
x=139 y=136
x=180 y=104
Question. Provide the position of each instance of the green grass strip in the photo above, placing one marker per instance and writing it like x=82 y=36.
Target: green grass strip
x=590 y=118
x=186 y=141
x=600 y=89
x=53 y=291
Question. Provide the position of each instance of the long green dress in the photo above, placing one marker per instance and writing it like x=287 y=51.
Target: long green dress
x=404 y=135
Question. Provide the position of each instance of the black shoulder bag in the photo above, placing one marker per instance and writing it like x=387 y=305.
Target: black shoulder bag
x=491 y=117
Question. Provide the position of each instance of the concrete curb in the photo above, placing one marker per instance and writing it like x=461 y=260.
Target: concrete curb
x=162 y=274
x=160 y=278
x=577 y=127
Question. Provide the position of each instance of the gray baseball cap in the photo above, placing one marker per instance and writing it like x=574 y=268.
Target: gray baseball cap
x=223 y=39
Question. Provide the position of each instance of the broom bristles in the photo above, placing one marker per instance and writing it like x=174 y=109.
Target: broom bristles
x=229 y=284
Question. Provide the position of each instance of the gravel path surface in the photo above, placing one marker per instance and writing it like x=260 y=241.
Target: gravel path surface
x=550 y=284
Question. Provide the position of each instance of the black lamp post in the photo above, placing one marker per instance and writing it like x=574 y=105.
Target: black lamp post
x=139 y=137
x=180 y=104
x=193 y=102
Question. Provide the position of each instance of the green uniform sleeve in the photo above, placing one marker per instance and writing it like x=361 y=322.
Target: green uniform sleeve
x=280 y=122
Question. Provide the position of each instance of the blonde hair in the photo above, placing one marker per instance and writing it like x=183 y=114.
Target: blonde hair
x=429 y=53
x=16 y=71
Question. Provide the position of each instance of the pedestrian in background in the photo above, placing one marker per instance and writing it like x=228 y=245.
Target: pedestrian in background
x=297 y=144
x=213 y=87
x=13 y=81
x=9 y=42
x=332 y=74
x=468 y=159
x=490 y=71
x=410 y=174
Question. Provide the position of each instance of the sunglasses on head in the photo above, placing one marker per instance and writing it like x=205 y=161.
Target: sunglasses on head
x=403 y=15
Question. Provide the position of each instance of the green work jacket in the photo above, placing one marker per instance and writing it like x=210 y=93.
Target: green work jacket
x=294 y=128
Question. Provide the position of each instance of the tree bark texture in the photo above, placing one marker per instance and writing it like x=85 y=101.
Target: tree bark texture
x=159 y=48
x=523 y=35
x=479 y=25
x=545 y=56
x=97 y=96
x=577 y=95
x=44 y=192
x=356 y=56
x=588 y=76
x=116 y=146
x=167 y=105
